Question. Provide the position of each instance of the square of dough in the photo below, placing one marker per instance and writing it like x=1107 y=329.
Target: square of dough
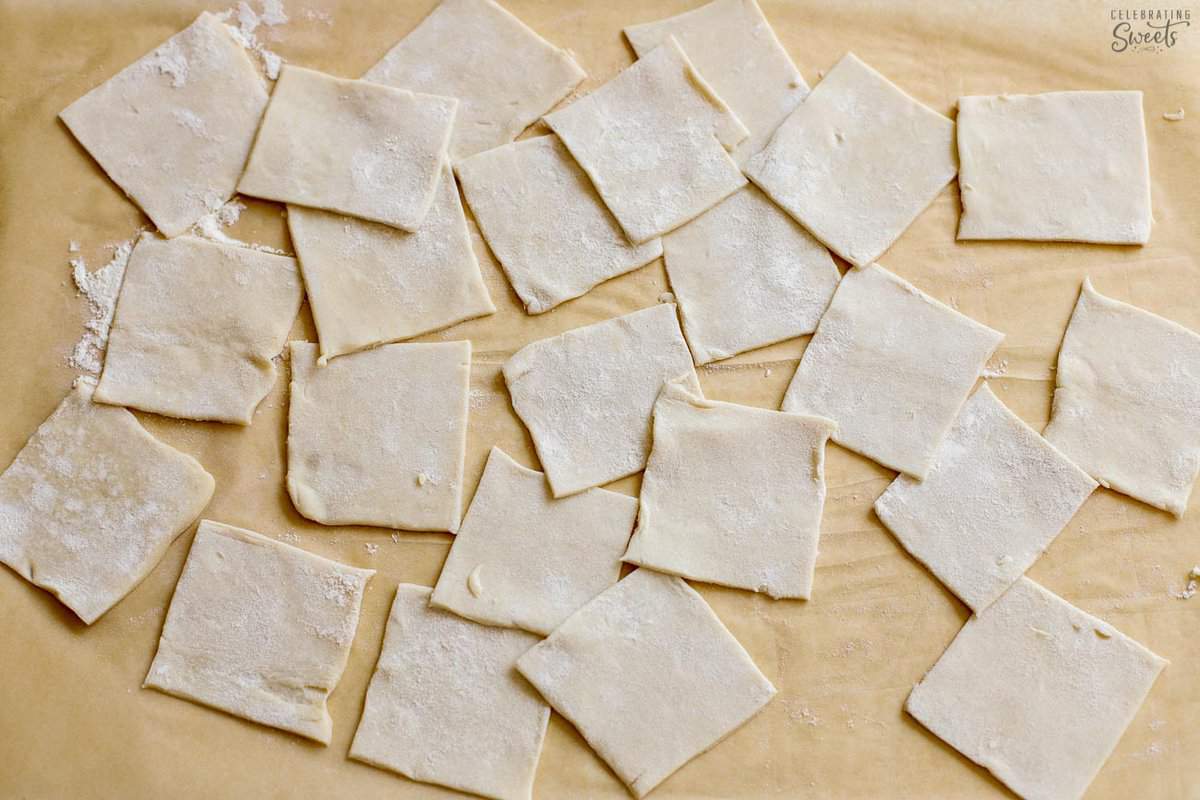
x=447 y=706
x=587 y=395
x=1033 y=167
x=746 y=275
x=732 y=45
x=655 y=141
x=504 y=75
x=857 y=161
x=542 y=218
x=732 y=494
x=354 y=147
x=196 y=326
x=1126 y=399
x=1036 y=692
x=259 y=629
x=379 y=437
x=993 y=501
x=526 y=560
x=891 y=366
x=92 y=501
x=370 y=284
x=649 y=676
x=173 y=129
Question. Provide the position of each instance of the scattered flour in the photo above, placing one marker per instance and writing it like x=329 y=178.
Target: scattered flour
x=371 y=548
x=246 y=30
x=100 y=288
x=996 y=371
x=1193 y=585
x=211 y=225
x=1174 y=116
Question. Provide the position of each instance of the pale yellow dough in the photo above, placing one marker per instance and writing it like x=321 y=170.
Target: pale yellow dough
x=174 y=128
x=354 y=147
x=655 y=141
x=857 y=161
x=196 y=328
x=259 y=629
x=504 y=75
x=1034 y=167
x=649 y=676
x=732 y=45
x=1126 y=399
x=1036 y=691
x=92 y=501
x=732 y=494
x=892 y=366
x=542 y=218
x=446 y=705
x=995 y=498
x=369 y=284
x=379 y=437
x=524 y=559
x=586 y=396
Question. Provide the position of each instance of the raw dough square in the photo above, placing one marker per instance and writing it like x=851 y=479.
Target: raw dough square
x=196 y=326
x=732 y=494
x=891 y=366
x=655 y=141
x=995 y=498
x=379 y=437
x=1036 y=691
x=732 y=45
x=746 y=275
x=542 y=218
x=370 y=284
x=857 y=161
x=259 y=629
x=504 y=75
x=1125 y=405
x=354 y=147
x=524 y=559
x=1034 y=167
x=173 y=129
x=447 y=706
x=649 y=676
x=587 y=395
x=91 y=503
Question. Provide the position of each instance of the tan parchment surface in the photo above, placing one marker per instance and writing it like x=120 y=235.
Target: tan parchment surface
x=73 y=720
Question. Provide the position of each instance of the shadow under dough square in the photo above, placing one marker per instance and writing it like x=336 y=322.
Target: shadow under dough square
x=891 y=366
x=732 y=494
x=174 y=128
x=613 y=670
x=1036 y=692
x=655 y=141
x=92 y=501
x=524 y=559
x=1060 y=166
x=503 y=74
x=995 y=498
x=196 y=327
x=354 y=147
x=586 y=395
x=447 y=706
x=1127 y=390
x=857 y=161
x=379 y=437
x=370 y=284
x=541 y=216
x=259 y=629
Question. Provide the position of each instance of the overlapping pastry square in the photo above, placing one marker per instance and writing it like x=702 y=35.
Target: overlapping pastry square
x=857 y=161
x=92 y=501
x=524 y=559
x=891 y=366
x=995 y=498
x=259 y=629
x=354 y=147
x=174 y=128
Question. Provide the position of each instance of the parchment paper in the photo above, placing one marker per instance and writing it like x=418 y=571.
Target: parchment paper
x=73 y=720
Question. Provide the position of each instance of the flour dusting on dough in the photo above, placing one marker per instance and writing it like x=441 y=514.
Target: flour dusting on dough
x=100 y=288
x=248 y=23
